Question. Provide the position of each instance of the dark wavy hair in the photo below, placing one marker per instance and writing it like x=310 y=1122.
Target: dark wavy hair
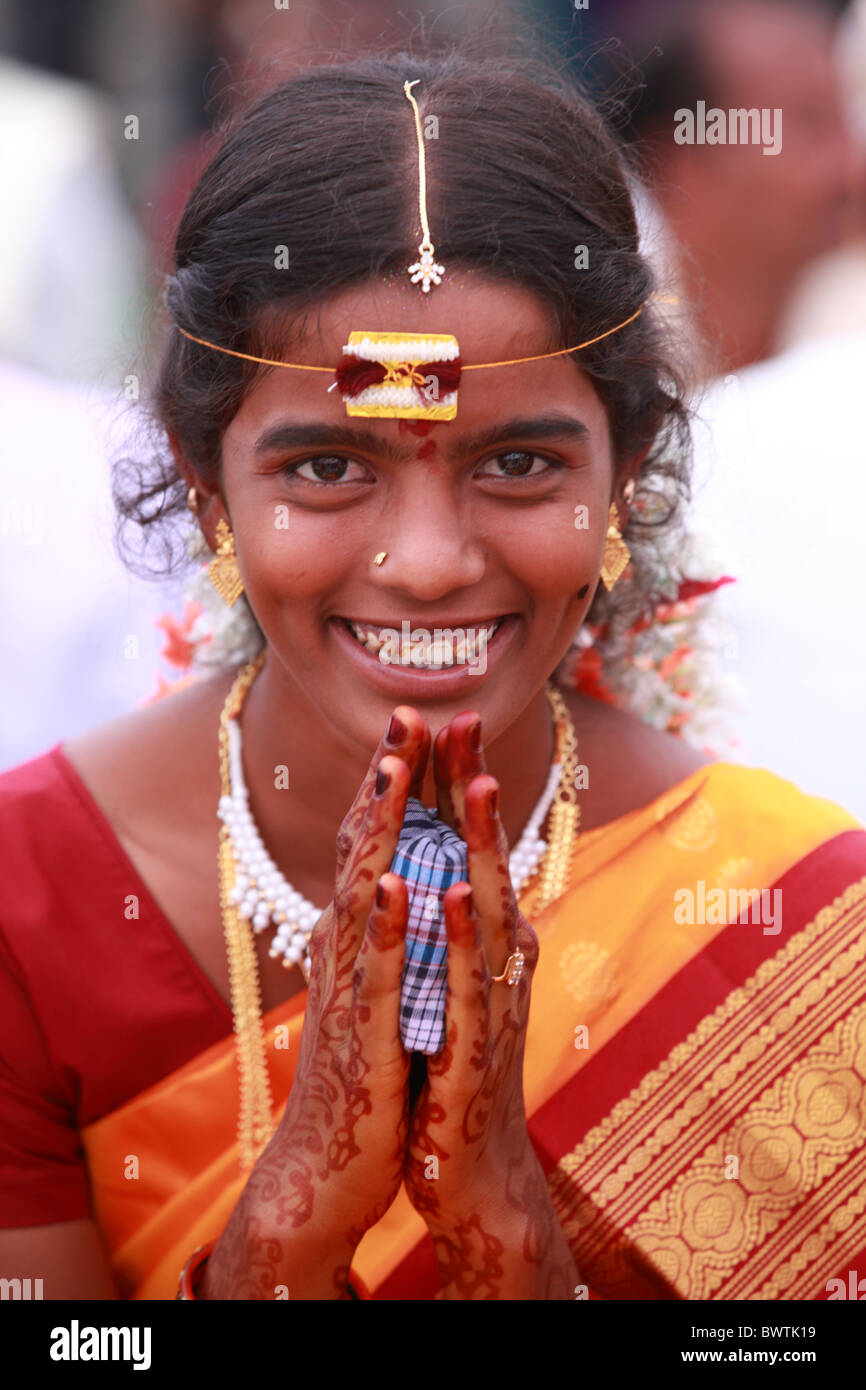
x=525 y=168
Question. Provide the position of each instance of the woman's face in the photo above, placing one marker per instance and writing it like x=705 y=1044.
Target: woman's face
x=482 y=517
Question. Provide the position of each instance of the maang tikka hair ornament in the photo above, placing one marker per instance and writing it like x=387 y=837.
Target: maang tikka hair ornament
x=400 y=375
x=425 y=268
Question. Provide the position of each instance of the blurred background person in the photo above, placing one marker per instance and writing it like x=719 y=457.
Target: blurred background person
x=767 y=254
x=72 y=270
x=830 y=297
x=787 y=435
x=734 y=228
x=738 y=234
x=78 y=634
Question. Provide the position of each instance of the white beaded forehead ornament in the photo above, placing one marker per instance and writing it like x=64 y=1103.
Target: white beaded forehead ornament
x=399 y=375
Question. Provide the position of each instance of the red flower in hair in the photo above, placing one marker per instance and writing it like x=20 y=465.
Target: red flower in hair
x=587 y=676
x=179 y=650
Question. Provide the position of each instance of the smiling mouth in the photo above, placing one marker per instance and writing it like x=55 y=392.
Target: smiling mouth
x=422 y=648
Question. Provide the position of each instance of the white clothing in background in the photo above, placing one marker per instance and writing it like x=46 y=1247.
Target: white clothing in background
x=78 y=643
x=780 y=486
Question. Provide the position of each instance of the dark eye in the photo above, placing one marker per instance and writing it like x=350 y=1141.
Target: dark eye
x=518 y=463
x=328 y=469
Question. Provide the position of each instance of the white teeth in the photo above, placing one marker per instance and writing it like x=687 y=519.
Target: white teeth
x=428 y=650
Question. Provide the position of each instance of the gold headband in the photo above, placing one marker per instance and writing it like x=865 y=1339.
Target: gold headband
x=394 y=375
x=401 y=363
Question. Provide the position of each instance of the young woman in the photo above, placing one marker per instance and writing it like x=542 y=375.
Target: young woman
x=640 y=1092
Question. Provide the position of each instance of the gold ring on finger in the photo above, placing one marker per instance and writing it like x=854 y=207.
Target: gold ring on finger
x=513 y=969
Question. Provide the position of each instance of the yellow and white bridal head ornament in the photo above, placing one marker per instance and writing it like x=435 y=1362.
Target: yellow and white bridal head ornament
x=399 y=375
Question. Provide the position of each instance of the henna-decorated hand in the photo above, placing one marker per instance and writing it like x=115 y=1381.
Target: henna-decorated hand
x=485 y=1200
x=335 y=1163
x=347 y=1115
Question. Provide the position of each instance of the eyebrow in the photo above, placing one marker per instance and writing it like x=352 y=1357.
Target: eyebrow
x=287 y=435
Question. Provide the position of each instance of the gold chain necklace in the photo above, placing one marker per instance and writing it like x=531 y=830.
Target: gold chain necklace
x=256 y=1118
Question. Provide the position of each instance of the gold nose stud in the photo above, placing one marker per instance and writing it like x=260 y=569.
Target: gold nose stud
x=381 y=557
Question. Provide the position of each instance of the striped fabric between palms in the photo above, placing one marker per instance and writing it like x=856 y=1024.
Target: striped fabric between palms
x=430 y=856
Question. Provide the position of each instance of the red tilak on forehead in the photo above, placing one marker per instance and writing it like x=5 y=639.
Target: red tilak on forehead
x=427 y=450
x=414 y=426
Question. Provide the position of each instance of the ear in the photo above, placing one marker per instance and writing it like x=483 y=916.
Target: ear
x=628 y=472
x=210 y=508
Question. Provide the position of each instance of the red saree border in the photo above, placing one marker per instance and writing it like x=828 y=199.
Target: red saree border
x=725 y=964
x=857 y=1263
x=696 y=990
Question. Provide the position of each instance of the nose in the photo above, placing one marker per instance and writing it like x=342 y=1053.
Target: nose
x=431 y=546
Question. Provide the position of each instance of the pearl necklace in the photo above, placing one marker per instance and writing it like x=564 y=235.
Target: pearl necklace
x=263 y=896
x=256 y=1120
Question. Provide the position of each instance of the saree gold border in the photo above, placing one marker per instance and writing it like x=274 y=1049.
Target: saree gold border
x=771 y=973
x=651 y=1172
x=723 y=1069
x=850 y=1218
x=835 y=1240
x=712 y=1159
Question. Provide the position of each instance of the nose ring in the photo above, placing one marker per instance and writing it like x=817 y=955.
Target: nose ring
x=381 y=557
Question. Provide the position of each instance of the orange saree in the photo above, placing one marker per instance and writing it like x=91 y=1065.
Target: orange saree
x=695 y=1072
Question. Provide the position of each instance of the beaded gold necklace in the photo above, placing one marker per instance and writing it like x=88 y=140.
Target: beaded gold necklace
x=256 y=1122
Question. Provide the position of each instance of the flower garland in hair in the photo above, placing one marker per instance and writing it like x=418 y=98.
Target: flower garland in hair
x=210 y=635
x=667 y=667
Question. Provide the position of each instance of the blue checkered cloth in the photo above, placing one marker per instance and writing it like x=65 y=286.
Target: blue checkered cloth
x=430 y=856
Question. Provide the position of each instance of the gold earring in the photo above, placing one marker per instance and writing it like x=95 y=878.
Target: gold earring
x=616 y=552
x=223 y=569
x=192 y=501
x=628 y=492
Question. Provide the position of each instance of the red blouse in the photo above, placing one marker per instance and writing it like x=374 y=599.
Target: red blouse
x=95 y=1005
